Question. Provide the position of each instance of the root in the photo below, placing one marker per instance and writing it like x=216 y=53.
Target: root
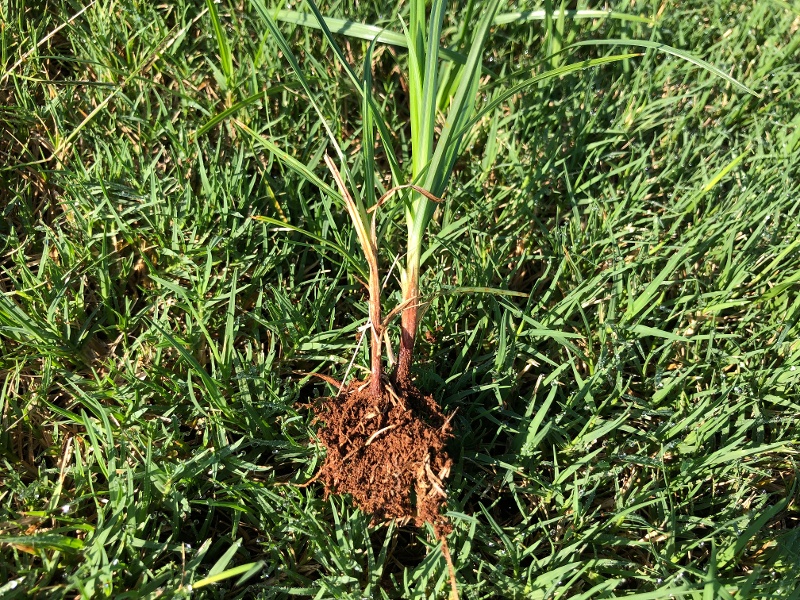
x=377 y=433
x=451 y=570
x=387 y=452
x=326 y=378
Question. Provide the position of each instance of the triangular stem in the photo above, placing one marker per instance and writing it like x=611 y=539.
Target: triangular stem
x=409 y=321
x=376 y=365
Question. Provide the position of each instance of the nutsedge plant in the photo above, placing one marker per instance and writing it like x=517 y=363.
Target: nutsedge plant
x=433 y=151
x=439 y=80
x=368 y=239
x=432 y=157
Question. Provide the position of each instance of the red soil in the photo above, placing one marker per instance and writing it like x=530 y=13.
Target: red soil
x=388 y=453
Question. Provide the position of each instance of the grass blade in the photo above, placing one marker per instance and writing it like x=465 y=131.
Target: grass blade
x=683 y=54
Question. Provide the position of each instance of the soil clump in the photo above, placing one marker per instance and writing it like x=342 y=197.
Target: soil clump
x=388 y=453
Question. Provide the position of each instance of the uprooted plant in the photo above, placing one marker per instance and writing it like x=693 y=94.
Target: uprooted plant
x=385 y=440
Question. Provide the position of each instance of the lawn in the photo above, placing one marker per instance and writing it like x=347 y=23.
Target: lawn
x=609 y=302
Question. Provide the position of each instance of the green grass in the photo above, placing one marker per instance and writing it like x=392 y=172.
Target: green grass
x=627 y=430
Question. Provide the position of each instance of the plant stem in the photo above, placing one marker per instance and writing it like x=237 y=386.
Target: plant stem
x=408 y=331
x=368 y=239
x=376 y=367
x=409 y=317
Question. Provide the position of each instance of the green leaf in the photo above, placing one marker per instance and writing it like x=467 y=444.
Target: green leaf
x=44 y=541
x=675 y=52
x=246 y=571
x=226 y=59
x=218 y=118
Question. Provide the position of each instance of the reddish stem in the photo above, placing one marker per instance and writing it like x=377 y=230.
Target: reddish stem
x=375 y=385
x=408 y=335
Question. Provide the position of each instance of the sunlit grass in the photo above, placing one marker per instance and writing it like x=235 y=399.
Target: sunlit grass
x=628 y=427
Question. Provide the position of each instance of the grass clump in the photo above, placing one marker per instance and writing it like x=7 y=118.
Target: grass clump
x=628 y=427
